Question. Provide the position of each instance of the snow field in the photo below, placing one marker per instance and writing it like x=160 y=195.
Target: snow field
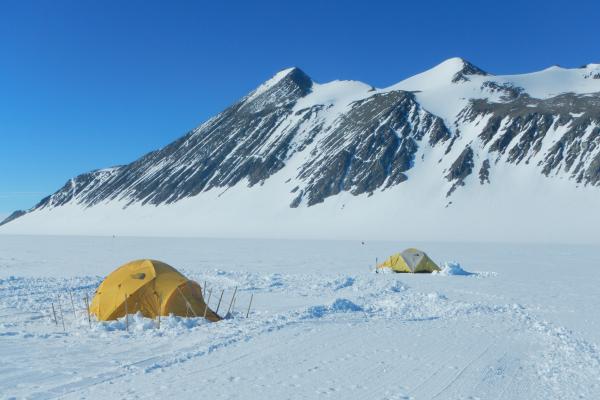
x=325 y=325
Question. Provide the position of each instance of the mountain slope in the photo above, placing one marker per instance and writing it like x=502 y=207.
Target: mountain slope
x=441 y=139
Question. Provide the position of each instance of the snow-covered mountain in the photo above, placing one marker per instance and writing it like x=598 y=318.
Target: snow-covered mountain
x=435 y=155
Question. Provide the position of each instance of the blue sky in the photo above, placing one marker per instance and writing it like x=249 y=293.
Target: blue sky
x=90 y=84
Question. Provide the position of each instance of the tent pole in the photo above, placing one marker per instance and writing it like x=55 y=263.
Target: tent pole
x=249 y=304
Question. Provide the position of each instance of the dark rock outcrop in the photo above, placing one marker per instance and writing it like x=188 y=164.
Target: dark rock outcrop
x=460 y=169
x=13 y=216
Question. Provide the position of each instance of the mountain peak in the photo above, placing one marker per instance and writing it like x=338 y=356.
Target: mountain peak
x=458 y=69
x=289 y=73
x=290 y=79
x=452 y=70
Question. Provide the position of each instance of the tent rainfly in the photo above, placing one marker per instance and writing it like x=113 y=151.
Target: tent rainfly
x=410 y=260
x=152 y=288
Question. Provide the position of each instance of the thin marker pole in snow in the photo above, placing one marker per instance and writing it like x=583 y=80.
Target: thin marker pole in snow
x=72 y=304
x=54 y=313
x=87 y=309
x=219 y=304
x=62 y=317
x=206 y=304
x=249 y=304
x=231 y=302
x=204 y=289
x=187 y=304
x=126 y=315
x=209 y=294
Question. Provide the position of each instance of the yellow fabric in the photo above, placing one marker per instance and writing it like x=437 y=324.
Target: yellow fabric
x=395 y=263
x=426 y=265
x=398 y=263
x=152 y=288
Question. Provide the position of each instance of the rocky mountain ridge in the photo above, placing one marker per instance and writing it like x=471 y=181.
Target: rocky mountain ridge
x=456 y=121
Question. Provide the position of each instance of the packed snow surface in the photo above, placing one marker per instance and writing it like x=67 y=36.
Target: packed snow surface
x=522 y=323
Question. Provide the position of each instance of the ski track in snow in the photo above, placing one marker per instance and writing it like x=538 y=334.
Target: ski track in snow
x=310 y=334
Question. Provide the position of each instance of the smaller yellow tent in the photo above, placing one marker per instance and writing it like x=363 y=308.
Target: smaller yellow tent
x=152 y=288
x=410 y=260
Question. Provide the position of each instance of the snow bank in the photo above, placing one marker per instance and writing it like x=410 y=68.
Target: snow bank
x=453 y=268
x=137 y=323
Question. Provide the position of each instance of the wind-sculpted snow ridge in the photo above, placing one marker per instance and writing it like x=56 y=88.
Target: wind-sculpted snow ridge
x=293 y=144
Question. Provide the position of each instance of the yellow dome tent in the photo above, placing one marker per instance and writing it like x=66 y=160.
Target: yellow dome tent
x=410 y=260
x=152 y=288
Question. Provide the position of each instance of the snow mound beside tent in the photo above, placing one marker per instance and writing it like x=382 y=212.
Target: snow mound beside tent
x=454 y=268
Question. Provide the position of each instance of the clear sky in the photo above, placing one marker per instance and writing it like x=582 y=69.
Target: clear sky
x=90 y=84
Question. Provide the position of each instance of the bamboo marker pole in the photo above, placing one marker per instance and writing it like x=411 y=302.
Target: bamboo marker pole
x=220 y=298
x=72 y=304
x=54 y=313
x=249 y=304
x=209 y=294
x=62 y=317
x=231 y=302
x=87 y=309
x=126 y=315
x=206 y=304
x=187 y=304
